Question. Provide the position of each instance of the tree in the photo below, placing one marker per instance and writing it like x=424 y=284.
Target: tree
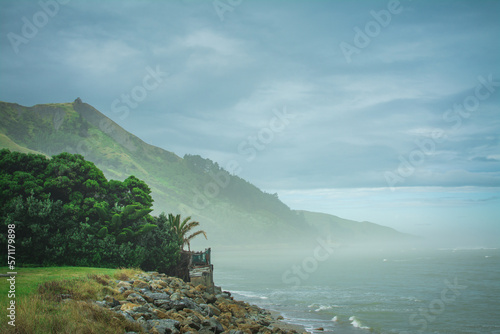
x=125 y=223
x=181 y=229
x=66 y=212
x=161 y=244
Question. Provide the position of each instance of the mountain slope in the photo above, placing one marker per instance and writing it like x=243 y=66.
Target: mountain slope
x=230 y=209
x=345 y=229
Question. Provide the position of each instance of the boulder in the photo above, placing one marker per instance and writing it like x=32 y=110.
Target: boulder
x=213 y=325
x=139 y=284
x=124 y=284
x=111 y=301
x=210 y=298
x=128 y=307
x=164 y=304
x=175 y=296
x=150 y=297
x=213 y=310
x=136 y=299
x=164 y=326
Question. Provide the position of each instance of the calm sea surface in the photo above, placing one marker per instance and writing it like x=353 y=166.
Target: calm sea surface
x=413 y=291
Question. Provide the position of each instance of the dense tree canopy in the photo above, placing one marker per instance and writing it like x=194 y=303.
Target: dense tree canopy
x=67 y=213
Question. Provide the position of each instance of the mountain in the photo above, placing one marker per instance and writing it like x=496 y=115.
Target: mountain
x=231 y=210
x=356 y=232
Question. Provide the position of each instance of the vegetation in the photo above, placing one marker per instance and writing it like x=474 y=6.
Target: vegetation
x=39 y=308
x=66 y=212
x=230 y=208
x=181 y=229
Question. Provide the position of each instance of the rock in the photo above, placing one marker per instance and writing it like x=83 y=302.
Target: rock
x=213 y=310
x=223 y=295
x=165 y=326
x=150 y=297
x=319 y=329
x=124 y=284
x=136 y=299
x=185 y=303
x=210 y=298
x=164 y=304
x=111 y=301
x=213 y=325
x=140 y=284
x=102 y=304
x=251 y=327
x=264 y=322
x=198 y=300
x=233 y=331
x=160 y=314
x=129 y=307
x=126 y=315
x=236 y=310
x=193 y=323
x=141 y=321
x=175 y=297
x=280 y=318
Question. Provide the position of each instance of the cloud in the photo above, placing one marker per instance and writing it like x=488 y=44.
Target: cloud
x=353 y=121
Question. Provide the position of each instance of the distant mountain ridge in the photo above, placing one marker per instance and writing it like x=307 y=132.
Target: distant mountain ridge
x=230 y=209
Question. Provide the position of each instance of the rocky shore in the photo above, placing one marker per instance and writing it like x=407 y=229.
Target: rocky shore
x=168 y=305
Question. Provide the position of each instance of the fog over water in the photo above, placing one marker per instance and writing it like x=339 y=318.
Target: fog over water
x=366 y=290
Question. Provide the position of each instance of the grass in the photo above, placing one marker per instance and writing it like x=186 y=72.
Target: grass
x=41 y=309
x=6 y=142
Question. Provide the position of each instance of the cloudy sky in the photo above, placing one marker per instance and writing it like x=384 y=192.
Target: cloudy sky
x=386 y=111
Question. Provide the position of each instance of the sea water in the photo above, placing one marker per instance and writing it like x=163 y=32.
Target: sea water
x=407 y=291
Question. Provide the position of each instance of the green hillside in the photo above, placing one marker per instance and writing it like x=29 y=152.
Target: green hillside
x=231 y=210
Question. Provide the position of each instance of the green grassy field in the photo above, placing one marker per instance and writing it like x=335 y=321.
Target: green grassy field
x=28 y=279
x=40 y=310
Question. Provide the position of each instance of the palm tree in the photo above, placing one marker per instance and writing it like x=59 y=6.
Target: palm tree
x=181 y=229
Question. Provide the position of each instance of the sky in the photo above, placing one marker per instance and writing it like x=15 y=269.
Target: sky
x=381 y=111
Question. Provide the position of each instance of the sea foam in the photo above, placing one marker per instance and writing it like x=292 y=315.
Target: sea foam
x=356 y=323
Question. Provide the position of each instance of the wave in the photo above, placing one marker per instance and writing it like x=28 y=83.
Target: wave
x=249 y=294
x=356 y=323
x=466 y=249
x=319 y=308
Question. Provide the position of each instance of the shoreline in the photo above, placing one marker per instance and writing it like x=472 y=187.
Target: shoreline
x=281 y=323
x=168 y=305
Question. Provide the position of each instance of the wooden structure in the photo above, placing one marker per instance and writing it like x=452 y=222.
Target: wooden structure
x=201 y=270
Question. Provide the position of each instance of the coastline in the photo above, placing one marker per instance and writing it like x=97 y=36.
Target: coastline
x=280 y=322
x=168 y=305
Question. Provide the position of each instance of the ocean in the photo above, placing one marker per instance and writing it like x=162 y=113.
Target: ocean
x=370 y=291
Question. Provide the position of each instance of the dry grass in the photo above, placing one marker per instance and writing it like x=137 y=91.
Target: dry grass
x=39 y=315
x=49 y=311
x=124 y=274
